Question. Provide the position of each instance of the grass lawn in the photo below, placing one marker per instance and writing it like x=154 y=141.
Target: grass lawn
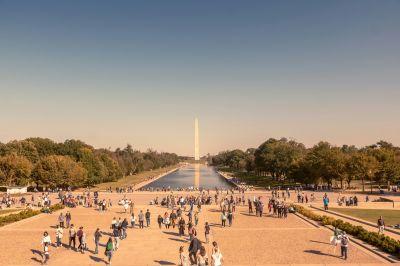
x=391 y=217
x=134 y=179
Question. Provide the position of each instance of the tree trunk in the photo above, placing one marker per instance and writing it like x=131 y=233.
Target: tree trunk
x=363 y=185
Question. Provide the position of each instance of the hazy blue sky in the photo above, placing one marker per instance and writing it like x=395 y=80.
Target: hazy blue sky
x=118 y=72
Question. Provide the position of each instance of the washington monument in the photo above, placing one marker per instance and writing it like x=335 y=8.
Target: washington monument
x=196 y=140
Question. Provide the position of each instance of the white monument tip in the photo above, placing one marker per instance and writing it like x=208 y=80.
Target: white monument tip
x=196 y=140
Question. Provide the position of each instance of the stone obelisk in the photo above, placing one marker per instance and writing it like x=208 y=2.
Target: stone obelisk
x=196 y=140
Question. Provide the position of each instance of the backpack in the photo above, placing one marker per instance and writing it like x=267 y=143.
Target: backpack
x=344 y=241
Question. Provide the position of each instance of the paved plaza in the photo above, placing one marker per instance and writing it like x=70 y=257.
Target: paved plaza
x=250 y=241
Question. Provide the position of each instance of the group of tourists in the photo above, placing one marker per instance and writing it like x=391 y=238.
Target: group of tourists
x=347 y=201
x=198 y=254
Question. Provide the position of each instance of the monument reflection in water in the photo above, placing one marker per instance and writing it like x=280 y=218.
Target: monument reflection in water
x=193 y=175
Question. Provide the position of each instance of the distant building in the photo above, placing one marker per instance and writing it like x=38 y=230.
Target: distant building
x=14 y=189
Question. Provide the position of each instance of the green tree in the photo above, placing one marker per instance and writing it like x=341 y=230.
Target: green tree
x=59 y=171
x=15 y=170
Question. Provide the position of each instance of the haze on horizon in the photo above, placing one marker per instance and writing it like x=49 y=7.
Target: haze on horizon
x=138 y=72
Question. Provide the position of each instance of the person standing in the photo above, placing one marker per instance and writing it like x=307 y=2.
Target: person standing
x=230 y=218
x=59 y=235
x=159 y=221
x=196 y=218
x=344 y=245
x=72 y=235
x=202 y=257
x=223 y=218
x=61 y=220
x=133 y=219
x=172 y=218
x=216 y=257
x=147 y=218
x=207 y=232
x=68 y=219
x=97 y=236
x=381 y=225
x=325 y=200
x=181 y=226
x=183 y=259
x=141 y=219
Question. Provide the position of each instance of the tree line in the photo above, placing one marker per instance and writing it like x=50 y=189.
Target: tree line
x=45 y=163
x=285 y=159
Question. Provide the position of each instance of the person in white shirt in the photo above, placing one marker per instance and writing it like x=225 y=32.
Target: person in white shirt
x=46 y=241
x=216 y=257
x=59 y=235
x=46 y=238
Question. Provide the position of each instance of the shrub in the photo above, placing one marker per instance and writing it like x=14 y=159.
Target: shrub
x=15 y=217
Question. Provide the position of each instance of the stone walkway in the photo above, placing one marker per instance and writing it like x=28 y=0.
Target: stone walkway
x=250 y=241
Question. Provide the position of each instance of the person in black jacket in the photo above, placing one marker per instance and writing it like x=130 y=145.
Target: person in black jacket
x=194 y=246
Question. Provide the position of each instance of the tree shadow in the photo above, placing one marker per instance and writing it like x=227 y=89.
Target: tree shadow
x=326 y=243
x=164 y=262
x=177 y=239
x=96 y=259
x=214 y=210
x=171 y=233
x=317 y=252
x=215 y=225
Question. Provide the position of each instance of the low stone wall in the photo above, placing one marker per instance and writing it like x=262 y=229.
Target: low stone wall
x=228 y=178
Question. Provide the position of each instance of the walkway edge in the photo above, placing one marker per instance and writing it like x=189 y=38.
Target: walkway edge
x=146 y=182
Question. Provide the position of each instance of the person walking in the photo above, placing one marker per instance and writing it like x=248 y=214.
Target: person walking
x=97 y=236
x=79 y=234
x=381 y=225
x=109 y=250
x=116 y=238
x=344 y=245
x=46 y=242
x=59 y=235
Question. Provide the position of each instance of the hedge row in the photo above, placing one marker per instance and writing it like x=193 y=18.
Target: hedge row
x=384 y=243
x=15 y=217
